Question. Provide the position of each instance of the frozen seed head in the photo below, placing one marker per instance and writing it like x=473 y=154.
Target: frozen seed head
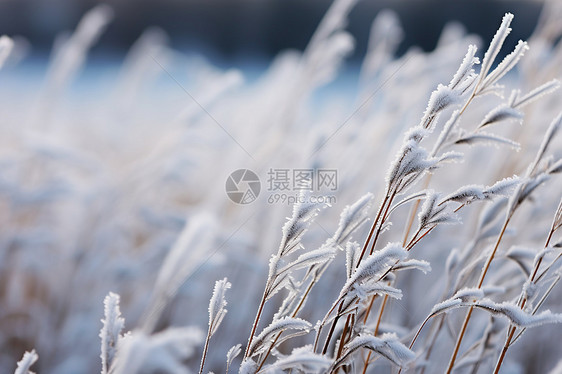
x=506 y=65
x=471 y=193
x=278 y=326
x=495 y=45
x=110 y=333
x=466 y=67
x=352 y=217
x=500 y=113
x=304 y=213
x=439 y=100
x=217 y=304
x=388 y=345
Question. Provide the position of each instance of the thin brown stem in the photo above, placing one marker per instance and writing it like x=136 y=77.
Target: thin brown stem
x=512 y=328
x=383 y=219
x=384 y=301
x=368 y=311
x=255 y=326
x=417 y=335
x=415 y=240
x=479 y=285
x=504 y=349
x=379 y=318
x=346 y=329
x=384 y=207
x=331 y=332
x=373 y=228
x=432 y=343
x=366 y=364
x=459 y=340
x=413 y=212
x=205 y=349
x=298 y=308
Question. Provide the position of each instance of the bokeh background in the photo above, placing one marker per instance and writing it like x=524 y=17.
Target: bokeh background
x=115 y=153
x=240 y=31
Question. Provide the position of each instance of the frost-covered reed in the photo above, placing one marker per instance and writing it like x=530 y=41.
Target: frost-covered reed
x=441 y=253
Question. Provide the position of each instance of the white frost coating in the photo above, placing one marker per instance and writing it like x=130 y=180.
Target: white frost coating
x=450 y=156
x=110 y=333
x=487 y=138
x=428 y=207
x=518 y=316
x=504 y=187
x=302 y=359
x=468 y=294
x=232 y=354
x=352 y=253
x=557 y=223
x=421 y=265
x=387 y=346
x=374 y=264
x=411 y=159
x=537 y=93
x=24 y=365
x=550 y=133
x=351 y=217
x=440 y=99
x=529 y=290
x=317 y=256
x=303 y=214
x=500 y=113
x=433 y=213
x=495 y=45
x=373 y=267
x=445 y=306
x=507 y=64
x=471 y=193
x=363 y=290
x=248 y=366
x=466 y=194
x=217 y=305
x=466 y=67
x=275 y=327
x=509 y=310
x=415 y=196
